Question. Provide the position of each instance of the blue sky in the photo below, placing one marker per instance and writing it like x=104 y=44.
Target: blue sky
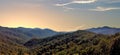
x=60 y=15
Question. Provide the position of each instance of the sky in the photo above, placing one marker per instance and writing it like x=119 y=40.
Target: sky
x=60 y=15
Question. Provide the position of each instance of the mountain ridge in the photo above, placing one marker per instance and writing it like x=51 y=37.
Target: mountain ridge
x=28 y=32
x=105 y=30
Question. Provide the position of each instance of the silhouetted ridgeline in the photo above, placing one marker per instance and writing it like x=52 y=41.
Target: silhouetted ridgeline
x=27 y=33
x=105 y=30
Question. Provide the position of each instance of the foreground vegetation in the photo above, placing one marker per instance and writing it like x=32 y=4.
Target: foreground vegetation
x=76 y=43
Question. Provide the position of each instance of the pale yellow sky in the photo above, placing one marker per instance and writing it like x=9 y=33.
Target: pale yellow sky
x=45 y=14
x=35 y=17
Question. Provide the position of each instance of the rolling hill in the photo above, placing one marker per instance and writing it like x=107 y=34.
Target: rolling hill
x=76 y=43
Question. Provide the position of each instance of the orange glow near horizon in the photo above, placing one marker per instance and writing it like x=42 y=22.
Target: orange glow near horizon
x=34 y=17
x=45 y=14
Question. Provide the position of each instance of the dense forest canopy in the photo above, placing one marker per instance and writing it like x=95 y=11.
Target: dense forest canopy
x=80 y=42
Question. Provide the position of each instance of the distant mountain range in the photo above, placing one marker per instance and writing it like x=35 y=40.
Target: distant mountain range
x=27 y=33
x=105 y=30
x=36 y=32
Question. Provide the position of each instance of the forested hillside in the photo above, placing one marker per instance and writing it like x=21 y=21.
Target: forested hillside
x=76 y=43
x=12 y=46
x=81 y=42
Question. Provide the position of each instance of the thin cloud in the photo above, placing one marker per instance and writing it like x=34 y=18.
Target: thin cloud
x=77 y=2
x=103 y=9
x=68 y=8
x=82 y=27
x=113 y=1
x=89 y=1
